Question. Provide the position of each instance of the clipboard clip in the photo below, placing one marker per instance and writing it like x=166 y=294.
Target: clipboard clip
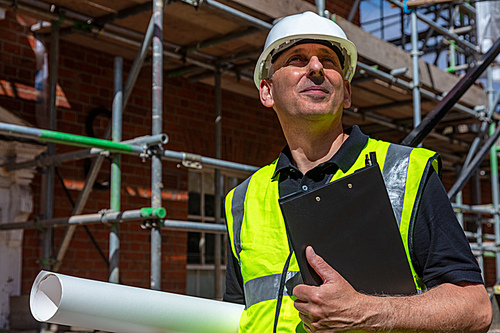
x=371 y=160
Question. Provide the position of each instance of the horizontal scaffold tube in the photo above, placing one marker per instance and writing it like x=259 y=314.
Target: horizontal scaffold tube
x=195 y=226
x=248 y=18
x=104 y=217
x=492 y=248
x=44 y=160
x=406 y=85
x=180 y=156
x=68 y=139
x=470 y=234
x=475 y=209
x=28 y=132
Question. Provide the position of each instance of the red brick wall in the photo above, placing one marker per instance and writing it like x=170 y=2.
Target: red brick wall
x=251 y=135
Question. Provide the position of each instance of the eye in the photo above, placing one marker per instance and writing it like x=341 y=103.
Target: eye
x=296 y=60
x=329 y=63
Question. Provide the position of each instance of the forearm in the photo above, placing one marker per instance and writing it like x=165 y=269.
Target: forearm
x=336 y=306
x=445 y=308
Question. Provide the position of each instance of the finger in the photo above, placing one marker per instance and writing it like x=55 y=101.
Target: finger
x=301 y=291
x=306 y=321
x=301 y=306
x=324 y=270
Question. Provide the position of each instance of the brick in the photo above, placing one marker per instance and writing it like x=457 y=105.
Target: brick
x=11 y=47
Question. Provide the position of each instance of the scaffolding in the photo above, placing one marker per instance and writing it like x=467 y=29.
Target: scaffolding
x=463 y=55
x=455 y=35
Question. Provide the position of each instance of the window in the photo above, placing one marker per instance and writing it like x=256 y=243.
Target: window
x=201 y=245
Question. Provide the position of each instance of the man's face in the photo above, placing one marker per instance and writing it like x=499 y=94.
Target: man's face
x=306 y=81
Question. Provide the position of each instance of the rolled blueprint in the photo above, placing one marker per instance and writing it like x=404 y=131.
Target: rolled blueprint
x=67 y=300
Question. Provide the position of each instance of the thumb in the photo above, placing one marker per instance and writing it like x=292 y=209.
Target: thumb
x=324 y=270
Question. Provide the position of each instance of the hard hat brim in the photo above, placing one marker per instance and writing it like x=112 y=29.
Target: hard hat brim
x=263 y=63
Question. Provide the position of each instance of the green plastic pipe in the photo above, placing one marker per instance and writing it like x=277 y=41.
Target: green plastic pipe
x=66 y=138
x=153 y=212
x=83 y=141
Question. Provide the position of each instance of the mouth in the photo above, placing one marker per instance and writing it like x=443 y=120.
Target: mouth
x=315 y=90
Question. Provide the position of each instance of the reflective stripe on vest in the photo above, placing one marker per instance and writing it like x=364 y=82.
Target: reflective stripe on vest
x=266 y=287
x=394 y=174
x=237 y=212
x=256 y=225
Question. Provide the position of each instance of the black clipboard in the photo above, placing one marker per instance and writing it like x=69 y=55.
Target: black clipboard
x=351 y=224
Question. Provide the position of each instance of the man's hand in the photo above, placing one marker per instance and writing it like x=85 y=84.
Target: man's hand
x=336 y=306
x=333 y=306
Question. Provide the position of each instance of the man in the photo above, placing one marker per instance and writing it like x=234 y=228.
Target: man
x=304 y=74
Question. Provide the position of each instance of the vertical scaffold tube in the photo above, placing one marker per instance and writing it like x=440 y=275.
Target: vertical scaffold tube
x=416 y=77
x=218 y=185
x=320 y=4
x=50 y=170
x=115 y=196
x=496 y=198
x=97 y=163
x=453 y=59
x=156 y=168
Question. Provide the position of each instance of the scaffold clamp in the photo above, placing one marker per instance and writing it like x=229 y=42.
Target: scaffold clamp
x=481 y=114
x=105 y=153
x=195 y=3
x=192 y=161
x=37 y=224
x=151 y=224
x=47 y=261
x=104 y=218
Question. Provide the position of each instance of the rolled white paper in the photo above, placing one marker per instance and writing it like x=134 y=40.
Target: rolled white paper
x=67 y=300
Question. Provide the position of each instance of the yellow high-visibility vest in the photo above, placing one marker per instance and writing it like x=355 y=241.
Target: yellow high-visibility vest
x=259 y=241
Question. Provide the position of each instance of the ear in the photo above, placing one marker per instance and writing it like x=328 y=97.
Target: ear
x=266 y=96
x=347 y=94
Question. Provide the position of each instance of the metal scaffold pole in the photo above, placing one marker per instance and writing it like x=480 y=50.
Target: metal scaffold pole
x=416 y=77
x=467 y=172
x=156 y=167
x=320 y=4
x=496 y=198
x=97 y=163
x=68 y=139
x=476 y=185
x=48 y=194
x=78 y=209
x=218 y=186
x=492 y=102
x=441 y=109
x=437 y=27
x=101 y=217
x=115 y=186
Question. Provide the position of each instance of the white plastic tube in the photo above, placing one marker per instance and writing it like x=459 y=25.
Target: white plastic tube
x=67 y=300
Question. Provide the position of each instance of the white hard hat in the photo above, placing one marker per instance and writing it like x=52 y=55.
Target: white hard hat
x=308 y=27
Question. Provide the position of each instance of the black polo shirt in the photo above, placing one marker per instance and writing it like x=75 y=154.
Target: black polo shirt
x=292 y=180
x=439 y=250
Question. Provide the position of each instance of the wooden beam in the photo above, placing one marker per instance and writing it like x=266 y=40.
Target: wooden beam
x=418 y=3
x=277 y=9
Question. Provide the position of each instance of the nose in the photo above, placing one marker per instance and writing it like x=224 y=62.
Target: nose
x=315 y=68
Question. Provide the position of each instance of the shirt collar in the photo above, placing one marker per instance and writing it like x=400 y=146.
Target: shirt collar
x=344 y=158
